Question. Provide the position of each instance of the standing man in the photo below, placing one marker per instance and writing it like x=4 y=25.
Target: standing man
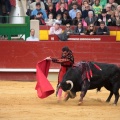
x=32 y=36
x=66 y=61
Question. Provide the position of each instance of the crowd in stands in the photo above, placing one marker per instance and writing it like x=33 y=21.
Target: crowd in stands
x=5 y=9
x=74 y=11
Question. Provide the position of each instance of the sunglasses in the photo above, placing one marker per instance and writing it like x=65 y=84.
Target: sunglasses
x=91 y=26
x=67 y=26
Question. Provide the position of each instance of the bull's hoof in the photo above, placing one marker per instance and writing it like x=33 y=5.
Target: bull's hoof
x=107 y=101
x=67 y=97
x=72 y=95
x=80 y=102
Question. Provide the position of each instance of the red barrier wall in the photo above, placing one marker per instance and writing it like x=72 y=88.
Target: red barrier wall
x=21 y=54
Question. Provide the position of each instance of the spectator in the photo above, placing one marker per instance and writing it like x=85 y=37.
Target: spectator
x=103 y=30
x=116 y=19
x=59 y=4
x=55 y=1
x=66 y=18
x=103 y=3
x=113 y=4
x=33 y=5
x=50 y=21
x=47 y=3
x=79 y=30
x=32 y=36
x=90 y=30
x=91 y=19
x=62 y=9
x=104 y=17
x=52 y=10
x=84 y=4
x=72 y=13
x=70 y=5
x=118 y=2
x=39 y=17
x=85 y=12
x=68 y=30
x=78 y=18
x=109 y=10
x=38 y=9
x=59 y=18
x=5 y=10
x=97 y=8
x=55 y=30
x=78 y=1
x=91 y=2
x=118 y=9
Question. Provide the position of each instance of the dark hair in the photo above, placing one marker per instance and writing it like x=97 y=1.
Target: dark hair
x=32 y=29
x=38 y=3
x=102 y=22
x=39 y=13
x=80 y=22
x=65 y=48
x=75 y=4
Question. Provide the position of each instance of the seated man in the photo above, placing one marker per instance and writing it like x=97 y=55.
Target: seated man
x=55 y=30
x=104 y=17
x=68 y=31
x=103 y=30
x=32 y=36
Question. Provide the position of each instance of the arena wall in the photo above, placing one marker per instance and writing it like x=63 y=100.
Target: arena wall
x=25 y=55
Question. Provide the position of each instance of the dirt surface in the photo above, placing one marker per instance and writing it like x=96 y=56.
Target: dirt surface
x=19 y=101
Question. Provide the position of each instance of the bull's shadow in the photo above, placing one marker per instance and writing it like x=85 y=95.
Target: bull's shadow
x=91 y=75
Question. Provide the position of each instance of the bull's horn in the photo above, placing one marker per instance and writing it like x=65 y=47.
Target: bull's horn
x=70 y=82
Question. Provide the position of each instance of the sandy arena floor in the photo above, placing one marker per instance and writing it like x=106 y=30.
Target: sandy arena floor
x=19 y=101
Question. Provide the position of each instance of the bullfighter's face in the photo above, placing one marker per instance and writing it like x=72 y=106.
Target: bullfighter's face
x=65 y=53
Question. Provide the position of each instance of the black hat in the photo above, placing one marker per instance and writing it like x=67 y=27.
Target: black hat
x=37 y=3
x=104 y=11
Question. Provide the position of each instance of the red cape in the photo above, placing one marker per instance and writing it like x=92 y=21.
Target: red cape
x=43 y=86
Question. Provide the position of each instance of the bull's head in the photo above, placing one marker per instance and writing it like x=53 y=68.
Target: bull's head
x=67 y=86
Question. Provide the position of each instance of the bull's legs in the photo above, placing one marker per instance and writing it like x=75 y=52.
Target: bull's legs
x=116 y=92
x=109 y=97
x=85 y=87
x=116 y=98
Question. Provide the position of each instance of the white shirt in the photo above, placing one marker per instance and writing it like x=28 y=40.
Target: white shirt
x=53 y=31
x=32 y=38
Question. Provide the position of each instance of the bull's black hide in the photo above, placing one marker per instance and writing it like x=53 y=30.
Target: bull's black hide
x=109 y=77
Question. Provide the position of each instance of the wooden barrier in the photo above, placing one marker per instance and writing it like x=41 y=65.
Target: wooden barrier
x=44 y=31
x=26 y=54
x=99 y=38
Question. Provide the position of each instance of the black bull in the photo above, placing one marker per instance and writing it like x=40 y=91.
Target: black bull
x=108 y=77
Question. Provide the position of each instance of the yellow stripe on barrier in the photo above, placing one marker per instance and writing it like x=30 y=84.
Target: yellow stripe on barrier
x=118 y=36
x=113 y=32
x=43 y=34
